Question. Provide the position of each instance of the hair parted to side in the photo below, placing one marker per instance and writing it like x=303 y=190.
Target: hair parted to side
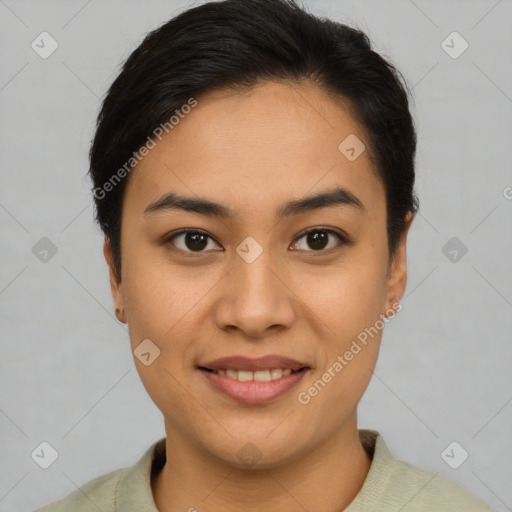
x=239 y=43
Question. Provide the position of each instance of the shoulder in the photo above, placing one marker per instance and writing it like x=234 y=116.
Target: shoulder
x=425 y=491
x=393 y=484
x=126 y=490
x=98 y=493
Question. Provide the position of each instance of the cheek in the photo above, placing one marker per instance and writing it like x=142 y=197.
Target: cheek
x=347 y=297
x=160 y=307
x=158 y=298
x=348 y=300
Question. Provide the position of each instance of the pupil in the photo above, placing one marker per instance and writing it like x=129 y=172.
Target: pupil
x=317 y=240
x=195 y=241
x=198 y=241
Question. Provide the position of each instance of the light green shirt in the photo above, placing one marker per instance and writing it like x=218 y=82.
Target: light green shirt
x=391 y=485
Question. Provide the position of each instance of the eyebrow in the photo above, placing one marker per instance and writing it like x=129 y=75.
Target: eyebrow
x=338 y=196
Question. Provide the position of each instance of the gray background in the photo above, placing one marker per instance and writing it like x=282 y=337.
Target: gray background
x=67 y=374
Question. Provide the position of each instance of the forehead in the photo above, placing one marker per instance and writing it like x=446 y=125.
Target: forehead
x=262 y=145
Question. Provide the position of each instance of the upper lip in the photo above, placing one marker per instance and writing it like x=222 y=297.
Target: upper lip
x=254 y=364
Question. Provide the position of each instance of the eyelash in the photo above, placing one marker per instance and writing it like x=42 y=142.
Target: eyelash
x=341 y=240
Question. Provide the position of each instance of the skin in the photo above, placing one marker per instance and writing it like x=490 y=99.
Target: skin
x=253 y=151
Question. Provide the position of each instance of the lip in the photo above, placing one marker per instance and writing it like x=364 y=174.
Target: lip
x=253 y=364
x=253 y=392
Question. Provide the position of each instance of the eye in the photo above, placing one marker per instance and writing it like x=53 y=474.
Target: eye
x=191 y=240
x=197 y=241
x=318 y=240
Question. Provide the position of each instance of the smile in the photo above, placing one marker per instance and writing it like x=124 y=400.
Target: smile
x=259 y=375
x=253 y=387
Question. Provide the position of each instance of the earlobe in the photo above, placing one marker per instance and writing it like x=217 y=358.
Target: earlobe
x=116 y=286
x=397 y=279
x=120 y=315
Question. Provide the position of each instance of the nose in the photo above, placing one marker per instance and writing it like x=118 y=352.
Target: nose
x=255 y=298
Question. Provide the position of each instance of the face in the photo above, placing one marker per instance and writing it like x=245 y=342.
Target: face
x=266 y=272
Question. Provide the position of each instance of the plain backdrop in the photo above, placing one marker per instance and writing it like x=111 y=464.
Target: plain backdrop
x=67 y=374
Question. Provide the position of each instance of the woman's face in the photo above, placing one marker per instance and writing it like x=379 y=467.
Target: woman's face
x=252 y=282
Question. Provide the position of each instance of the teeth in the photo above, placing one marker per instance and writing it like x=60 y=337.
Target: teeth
x=263 y=375
x=275 y=374
x=259 y=375
x=245 y=376
x=232 y=373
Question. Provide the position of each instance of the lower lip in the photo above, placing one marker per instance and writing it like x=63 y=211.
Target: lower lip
x=252 y=391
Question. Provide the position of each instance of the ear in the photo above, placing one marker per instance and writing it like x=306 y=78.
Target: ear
x=397 y=273
x=116 y=286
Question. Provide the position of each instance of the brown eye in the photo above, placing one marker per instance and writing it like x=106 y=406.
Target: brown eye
x=191 y=241
x=317 y=240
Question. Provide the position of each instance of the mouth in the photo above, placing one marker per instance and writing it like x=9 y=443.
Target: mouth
x=258 y=375
x=254 y=381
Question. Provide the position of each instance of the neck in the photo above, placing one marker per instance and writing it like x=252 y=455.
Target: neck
x=331 y=474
